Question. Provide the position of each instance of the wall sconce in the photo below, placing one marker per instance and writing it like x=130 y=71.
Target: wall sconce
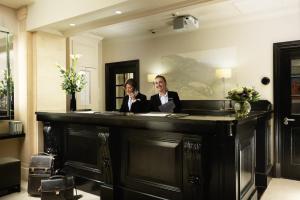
x=223 y=73
x=151 y=77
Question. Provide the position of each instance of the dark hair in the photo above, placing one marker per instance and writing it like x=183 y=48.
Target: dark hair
x=162 y=77
x=131 y=82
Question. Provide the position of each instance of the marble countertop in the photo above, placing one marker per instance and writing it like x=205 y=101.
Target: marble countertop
x=209 y=116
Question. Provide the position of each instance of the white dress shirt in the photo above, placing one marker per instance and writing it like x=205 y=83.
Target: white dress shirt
x=163 y=98
x=129 y=103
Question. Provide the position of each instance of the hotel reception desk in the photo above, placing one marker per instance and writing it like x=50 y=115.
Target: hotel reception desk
x=150 y=157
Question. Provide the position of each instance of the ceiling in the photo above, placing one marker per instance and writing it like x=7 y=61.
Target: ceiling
x=16 y=3
x=132 y=10
x=209 y=15
x=141 y=18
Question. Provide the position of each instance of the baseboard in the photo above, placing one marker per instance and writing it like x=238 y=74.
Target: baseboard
x=262 y=179
x=276 y=171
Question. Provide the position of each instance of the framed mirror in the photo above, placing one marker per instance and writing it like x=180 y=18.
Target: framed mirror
x=6 y=81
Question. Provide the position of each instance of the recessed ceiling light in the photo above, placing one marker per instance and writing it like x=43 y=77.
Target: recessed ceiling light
x=118 y=12
x=72 y=24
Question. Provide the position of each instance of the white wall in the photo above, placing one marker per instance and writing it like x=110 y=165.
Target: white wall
x=249 y=46
x=11 y=21
x=48 y=50
x=46 y=12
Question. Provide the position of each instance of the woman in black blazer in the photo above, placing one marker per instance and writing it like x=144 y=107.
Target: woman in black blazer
x=161 y=102
x=134 y=101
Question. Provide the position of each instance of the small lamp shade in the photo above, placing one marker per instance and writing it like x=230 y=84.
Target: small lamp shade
x=223 y=73
x=151 y=77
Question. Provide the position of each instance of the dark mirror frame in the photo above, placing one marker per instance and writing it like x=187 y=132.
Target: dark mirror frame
x=8 y=111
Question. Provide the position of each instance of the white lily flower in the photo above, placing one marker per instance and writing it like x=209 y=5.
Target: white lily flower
x=73 y=81
x=75 y=56
x=240 y=90
x=78 y=55
x=81 y=73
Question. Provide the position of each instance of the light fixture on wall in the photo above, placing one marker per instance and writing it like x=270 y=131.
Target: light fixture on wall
x=151 y=77
x=223 y=73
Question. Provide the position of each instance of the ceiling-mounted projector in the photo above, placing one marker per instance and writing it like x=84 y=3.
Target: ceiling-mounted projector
x=185 y=22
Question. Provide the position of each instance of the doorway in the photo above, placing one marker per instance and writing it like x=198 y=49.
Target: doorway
x=115 y=76
x=287 y=109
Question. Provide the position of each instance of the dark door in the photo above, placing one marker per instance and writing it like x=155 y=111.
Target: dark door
x=287 y=108
x=115 y=76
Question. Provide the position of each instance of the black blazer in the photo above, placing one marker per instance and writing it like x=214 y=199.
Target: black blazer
x=140 y=105
x=172 y=96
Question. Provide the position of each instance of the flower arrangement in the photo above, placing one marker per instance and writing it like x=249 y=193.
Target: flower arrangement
x=72 y=81
x=243 y=94
x=5 y=83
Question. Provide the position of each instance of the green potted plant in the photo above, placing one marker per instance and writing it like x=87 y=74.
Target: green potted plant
x=243 y=96
x=6 y=87
x=72 y=81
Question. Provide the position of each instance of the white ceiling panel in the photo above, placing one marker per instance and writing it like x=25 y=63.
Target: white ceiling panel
x=251 y=6
x=209 y=15
x=140 y=16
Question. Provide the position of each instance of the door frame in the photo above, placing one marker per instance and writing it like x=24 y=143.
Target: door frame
x=279 y=49
x=121 y=66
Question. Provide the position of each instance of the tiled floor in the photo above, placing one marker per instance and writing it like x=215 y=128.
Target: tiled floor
x=279 y=189
x=282 y=189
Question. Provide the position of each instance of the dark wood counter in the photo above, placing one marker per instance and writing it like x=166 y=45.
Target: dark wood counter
x=4 y=136
x=150 y=157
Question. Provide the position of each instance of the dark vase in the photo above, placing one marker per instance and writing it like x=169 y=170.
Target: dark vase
x=73 y=102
